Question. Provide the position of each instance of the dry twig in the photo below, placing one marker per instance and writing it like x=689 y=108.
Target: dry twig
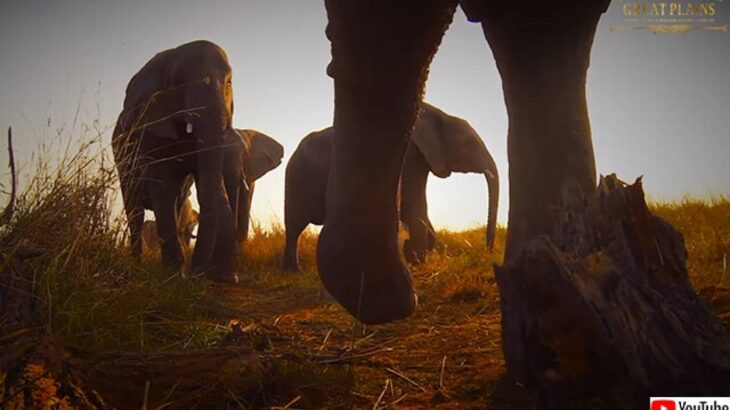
x=406 y=378
x=7 y=214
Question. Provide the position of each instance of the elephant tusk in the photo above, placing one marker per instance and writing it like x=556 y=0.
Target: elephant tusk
x=189 y=128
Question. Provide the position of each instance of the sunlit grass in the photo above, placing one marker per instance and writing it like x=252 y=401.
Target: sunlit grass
x=705 y=225
x=86 y=286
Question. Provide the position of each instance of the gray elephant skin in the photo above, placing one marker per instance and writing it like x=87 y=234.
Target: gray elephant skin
x=381 y=51
x=176 y=122
x=257 y=154
x=187 y=220
x=441 y=144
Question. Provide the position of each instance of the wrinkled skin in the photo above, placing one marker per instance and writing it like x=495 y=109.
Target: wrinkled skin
x=381 y=51
x=177 y=111
x=441 y=144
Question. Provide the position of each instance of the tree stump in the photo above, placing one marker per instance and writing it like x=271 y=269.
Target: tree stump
x=601 y=314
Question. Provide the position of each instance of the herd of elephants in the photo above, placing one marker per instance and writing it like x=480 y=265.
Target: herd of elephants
x=367 y=173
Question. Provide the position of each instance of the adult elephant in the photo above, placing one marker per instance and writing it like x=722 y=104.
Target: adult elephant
x=441 y=144
x=381 y=50
x=175 y=122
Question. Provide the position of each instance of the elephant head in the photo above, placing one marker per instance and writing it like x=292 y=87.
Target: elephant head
x=449 y=144
x=177 y=109
x=254 y=154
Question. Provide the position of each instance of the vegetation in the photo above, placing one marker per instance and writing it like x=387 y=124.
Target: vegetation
x=90 y=292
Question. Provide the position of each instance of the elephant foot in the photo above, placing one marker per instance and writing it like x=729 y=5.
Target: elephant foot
x=374 y=287
x=230 y=279
x=413 y=254
x=291 y=267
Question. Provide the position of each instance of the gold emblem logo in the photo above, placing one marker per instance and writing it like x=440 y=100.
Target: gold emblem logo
x=671 y=17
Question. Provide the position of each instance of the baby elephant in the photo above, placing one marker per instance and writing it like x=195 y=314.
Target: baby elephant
x=440 y=144
x=187 y=220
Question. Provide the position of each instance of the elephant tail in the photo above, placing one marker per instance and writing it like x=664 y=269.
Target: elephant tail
x=492 y=178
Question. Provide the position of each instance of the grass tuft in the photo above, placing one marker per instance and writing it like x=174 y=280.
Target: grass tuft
x=86 y=286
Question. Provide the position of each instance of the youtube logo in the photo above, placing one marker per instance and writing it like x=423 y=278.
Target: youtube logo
x=663 y=405
x=689 y=403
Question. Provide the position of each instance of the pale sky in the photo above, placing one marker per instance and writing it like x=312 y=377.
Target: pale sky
x=659 y=104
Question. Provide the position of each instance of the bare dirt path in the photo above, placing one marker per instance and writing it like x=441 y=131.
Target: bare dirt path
x=447 y=355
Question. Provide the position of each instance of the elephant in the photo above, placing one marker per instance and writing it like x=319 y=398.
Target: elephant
x=176 y=122
x=187 y=220
x=380 y=54
x=257 y=154
x=441 y=144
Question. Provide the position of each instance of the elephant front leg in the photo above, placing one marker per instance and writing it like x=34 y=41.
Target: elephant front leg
x=243 y=212
x=164 y=201
x=291 y=251
x=414 y=207
x=380 y=54
x=134 y=212
x=543 y=60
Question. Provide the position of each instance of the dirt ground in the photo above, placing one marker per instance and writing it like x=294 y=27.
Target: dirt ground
x=447 y=355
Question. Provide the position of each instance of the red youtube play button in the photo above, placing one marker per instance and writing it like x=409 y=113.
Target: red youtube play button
x=663 y=405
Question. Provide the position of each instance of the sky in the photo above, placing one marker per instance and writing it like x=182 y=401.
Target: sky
x=659 y=104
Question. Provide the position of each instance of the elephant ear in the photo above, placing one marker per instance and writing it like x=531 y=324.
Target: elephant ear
x=449 y=144
x=151 y=102
x=264 y=154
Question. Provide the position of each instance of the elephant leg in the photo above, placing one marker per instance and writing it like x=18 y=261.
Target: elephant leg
x=380 y=54
x=414 y=208
x=299 y=201
x=135 y=217
x=164 y=201
x=243 y=211
x=543 y=60
x=294 y=228
x=431 y=237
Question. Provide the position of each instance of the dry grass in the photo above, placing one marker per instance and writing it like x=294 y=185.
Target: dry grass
x=705 y=225
x=91 y=292
x=86 y=286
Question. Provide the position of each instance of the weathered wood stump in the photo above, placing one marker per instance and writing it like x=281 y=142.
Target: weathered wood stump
x=601 y=314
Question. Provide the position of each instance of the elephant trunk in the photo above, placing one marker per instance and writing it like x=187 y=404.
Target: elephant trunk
x=215 y=247
x=493 y=191
x=376 y=89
